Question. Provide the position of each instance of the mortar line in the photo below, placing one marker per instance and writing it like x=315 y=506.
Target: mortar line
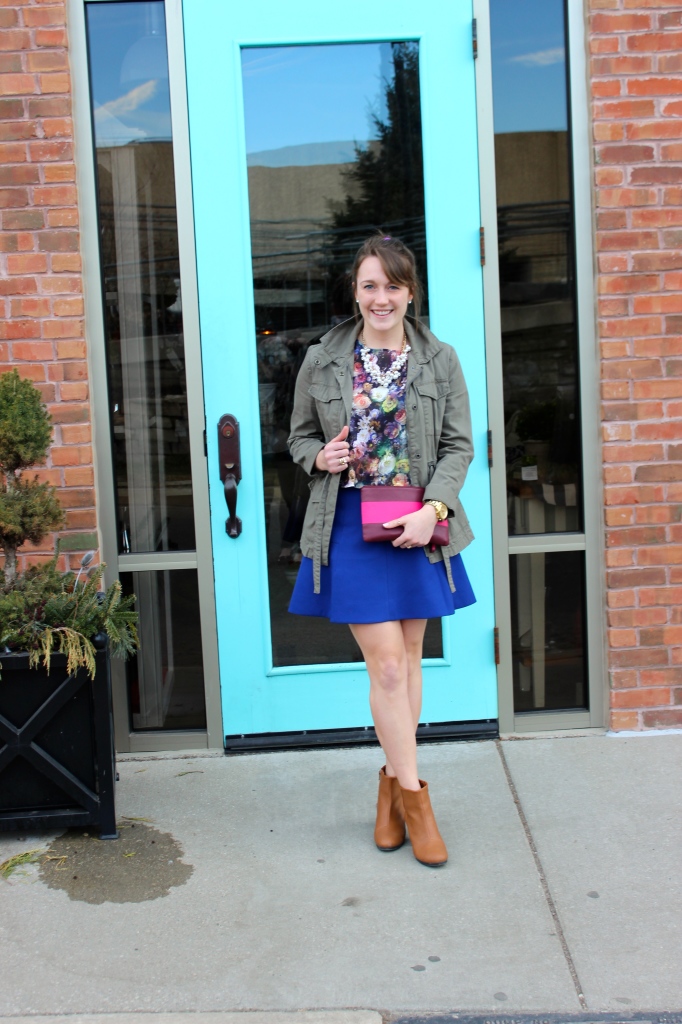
x=543 y=879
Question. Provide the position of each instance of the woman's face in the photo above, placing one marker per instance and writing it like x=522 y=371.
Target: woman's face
x=382 y=303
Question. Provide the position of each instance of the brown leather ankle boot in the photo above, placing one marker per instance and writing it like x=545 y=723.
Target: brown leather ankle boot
x=389 y=831
x=427 y=843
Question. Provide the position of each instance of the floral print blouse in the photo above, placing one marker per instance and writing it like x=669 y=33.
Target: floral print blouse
x=378 y=430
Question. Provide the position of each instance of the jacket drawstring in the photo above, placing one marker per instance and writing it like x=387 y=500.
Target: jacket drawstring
x=448 y=569
x=319 y=537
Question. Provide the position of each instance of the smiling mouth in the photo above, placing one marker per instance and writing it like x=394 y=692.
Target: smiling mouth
x=381 y=312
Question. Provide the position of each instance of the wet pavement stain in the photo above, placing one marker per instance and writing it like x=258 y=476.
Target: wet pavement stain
x=144 y=864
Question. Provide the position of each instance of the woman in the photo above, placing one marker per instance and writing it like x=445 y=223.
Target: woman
x=381 y=401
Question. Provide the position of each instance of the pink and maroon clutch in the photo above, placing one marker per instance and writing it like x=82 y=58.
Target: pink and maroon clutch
x=379 y=505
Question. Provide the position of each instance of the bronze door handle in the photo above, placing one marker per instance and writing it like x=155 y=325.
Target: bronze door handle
x=229 y=453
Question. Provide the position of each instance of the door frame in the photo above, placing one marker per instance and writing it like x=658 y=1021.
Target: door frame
x=126 y=739
x=592 y=542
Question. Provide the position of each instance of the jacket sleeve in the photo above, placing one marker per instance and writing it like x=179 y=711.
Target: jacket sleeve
x=306 y=438
x=455 y=445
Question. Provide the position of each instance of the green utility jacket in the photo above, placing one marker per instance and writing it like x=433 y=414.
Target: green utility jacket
x=438 y=431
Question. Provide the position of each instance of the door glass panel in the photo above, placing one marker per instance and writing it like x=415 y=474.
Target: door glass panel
x=537 y=266
x=334 y=150
x=142 y=296
x=548 y=632
x=166 y=676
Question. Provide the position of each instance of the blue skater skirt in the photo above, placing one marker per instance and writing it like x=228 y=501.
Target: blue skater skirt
x=375 y=582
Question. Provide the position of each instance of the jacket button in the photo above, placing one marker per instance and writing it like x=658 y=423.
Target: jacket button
x=317 y=362
x=414 y=406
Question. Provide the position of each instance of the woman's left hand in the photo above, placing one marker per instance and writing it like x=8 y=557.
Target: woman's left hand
x=418 y=528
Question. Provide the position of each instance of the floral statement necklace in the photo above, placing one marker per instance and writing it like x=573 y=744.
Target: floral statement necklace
x=371 y=364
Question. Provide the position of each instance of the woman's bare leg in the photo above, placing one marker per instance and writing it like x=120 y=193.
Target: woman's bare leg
x=413 y=636
x=383 y=648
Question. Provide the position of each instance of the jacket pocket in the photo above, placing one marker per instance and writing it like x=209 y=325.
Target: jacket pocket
x=329 y=407
x=433 y=394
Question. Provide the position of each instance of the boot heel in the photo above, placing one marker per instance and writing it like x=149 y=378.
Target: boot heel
x=389 y=831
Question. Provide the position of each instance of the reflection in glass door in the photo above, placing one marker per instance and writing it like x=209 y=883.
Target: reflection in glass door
x=540 y=354
x=322 y=176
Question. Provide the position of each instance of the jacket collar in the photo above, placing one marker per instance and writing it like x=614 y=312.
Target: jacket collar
x=337 y=345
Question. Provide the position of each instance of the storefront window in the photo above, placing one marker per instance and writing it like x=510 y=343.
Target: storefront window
x=142 y=299
x=535 y=216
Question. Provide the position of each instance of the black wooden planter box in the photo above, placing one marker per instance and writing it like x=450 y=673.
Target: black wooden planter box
x=57 y=765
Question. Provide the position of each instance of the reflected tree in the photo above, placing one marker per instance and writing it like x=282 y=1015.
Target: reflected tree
x=385 y=184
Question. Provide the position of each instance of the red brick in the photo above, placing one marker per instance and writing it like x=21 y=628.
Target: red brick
x=636 y=577
x=625 y=108
x=625 y=154
x=608 y=131
x=609 y=23
x=641 y=697
x=641 y=657
x=59 y=284
x=10 y=197
x=637 y=130
x=58 y=82
x=37 y=351
x=623 y=721
x=22 y=220
x=70 y=412
x=673 y=19
x=27 y=263
x=655 y=175
x=76 y=497
x=71 y=350
x=14 y=39
x=38 y=17
x=19 y=174
x=656 y=261
x=74 y=391
x=17 y=85
x=33 y=307
x=69 y=262
x=654 y=388
x=627 y=240
x=61 y=328
x=55 y=174
x=668 y=718
x=632 y=369
x=54 y=127
x=15 y=329
x=53 y=149
x=670 y=63
x=76 y=433
x=626 y=196
x=50 y=37
x=48 y=60
x=83 y=476
x=610 y=220
x=49 y=106
x=58 y=241
x=651 y=41
x=606 y=88
x=630 y=327
x=654 y=86
x=81 y=519
x=18 y=286
x=633 y=617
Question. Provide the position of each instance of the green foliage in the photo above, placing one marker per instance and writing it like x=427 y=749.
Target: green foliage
x=43 y=611
x=25 y=424
x=28 y=510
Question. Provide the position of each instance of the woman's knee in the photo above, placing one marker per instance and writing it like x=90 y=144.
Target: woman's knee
x=390 y=672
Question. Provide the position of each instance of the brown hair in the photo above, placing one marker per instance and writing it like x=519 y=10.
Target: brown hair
x=397 y=260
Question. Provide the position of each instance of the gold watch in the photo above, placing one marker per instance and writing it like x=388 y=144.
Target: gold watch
x=440 y=507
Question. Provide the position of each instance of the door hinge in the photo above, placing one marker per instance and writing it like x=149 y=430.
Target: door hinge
x=481 y=234
x=496 y=641
x=490 y=449
x=474 y=38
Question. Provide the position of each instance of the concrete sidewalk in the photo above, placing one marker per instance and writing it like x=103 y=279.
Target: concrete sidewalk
x=254 y=884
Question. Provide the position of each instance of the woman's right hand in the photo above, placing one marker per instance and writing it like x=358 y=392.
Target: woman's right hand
x=334 y=457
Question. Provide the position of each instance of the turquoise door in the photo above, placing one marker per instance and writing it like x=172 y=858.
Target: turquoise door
x=310 y=125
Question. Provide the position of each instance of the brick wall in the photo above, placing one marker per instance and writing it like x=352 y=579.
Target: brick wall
x=41 y=298
x=636 y=48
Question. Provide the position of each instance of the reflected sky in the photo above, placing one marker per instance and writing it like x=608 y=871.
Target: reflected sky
x=129 y=72
x=295 y=96
x=529 y=84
